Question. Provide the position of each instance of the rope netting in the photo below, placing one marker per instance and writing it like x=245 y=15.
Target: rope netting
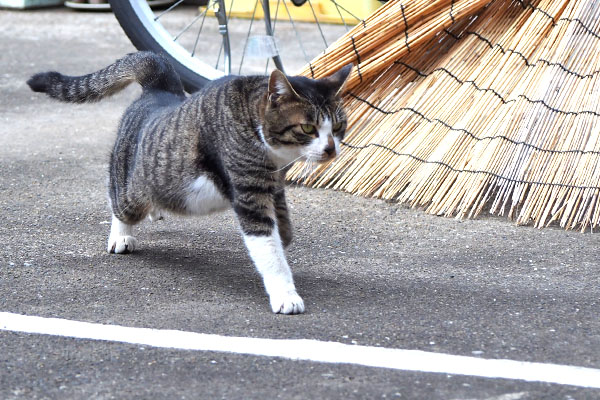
x=460 y=106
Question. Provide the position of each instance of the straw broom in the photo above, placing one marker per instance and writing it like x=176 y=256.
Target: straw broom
x=461 y=106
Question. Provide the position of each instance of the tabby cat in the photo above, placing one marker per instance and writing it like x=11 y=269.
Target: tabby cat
x=227 y=145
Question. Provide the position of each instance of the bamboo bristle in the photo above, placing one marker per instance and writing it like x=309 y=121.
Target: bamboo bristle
x=460 y=106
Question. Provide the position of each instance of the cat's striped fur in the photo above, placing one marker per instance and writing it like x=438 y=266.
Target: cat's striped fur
x=227 y=145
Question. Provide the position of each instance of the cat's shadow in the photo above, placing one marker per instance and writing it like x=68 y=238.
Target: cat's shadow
x=218 y=270
x=228 y=270
x=194 y=261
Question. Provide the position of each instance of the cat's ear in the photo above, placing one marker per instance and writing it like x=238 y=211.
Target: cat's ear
x=338 y=80
x=279 y=86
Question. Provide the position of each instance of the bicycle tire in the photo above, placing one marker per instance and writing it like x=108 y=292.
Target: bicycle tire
x=141 y=37
x=146 y=32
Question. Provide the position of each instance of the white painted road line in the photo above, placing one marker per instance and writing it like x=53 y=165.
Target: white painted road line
x=309 y=350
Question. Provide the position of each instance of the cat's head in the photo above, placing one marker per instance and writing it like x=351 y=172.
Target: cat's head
x=304 y=118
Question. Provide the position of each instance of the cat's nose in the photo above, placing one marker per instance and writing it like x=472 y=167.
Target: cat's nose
x=330 y=148
x=330 y=151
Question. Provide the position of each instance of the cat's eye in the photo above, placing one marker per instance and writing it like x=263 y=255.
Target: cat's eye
x=308 y=129
x=337 y=126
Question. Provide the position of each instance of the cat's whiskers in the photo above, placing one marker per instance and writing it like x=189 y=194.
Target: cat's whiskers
x=314 y=156
x=302 y=174
x=312 y=167
x=308 y=168
x=290 y=163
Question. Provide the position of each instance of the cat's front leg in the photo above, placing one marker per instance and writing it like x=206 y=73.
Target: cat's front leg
x=121 y=240
x=268 y=256
x=261 y=236
x=283 y=220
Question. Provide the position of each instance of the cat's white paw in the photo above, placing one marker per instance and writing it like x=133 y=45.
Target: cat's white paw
x=121 y=244
x=286 y=303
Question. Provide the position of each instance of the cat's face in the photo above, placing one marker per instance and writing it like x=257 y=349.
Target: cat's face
x=304 y=118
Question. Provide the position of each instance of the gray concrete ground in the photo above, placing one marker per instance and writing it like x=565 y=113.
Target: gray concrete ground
x=370 y=272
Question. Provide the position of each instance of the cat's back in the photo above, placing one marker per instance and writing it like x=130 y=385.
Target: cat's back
x=152 y=105
x=236 y=83
x=231 y=92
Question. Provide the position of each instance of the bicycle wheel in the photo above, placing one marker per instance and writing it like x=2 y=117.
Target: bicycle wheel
x=210 y=41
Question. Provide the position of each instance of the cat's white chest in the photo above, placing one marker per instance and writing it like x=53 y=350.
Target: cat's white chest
x=203 y=197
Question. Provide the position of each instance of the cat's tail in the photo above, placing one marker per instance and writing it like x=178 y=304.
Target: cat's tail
x=150 y=70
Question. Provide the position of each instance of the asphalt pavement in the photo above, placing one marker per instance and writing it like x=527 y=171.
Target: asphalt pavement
x=371 y=273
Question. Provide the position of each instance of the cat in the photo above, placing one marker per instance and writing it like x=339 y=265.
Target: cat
x=226 y=146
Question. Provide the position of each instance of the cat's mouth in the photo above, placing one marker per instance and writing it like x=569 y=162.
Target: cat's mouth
x=322 y=158
x=327 y=157
x=321 y=155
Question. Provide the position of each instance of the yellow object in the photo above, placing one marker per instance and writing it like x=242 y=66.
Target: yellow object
x=326 y=11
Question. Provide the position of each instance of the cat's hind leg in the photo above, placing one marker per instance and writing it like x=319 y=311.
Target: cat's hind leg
x=155 y=214
x=121 y=240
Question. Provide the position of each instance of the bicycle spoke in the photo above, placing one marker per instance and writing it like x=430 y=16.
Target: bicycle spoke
x=338 y=5
x=274 y=25
x=269 y=32
x=211 y=45
x=296 y=32
x=221 y=46
x=318 y=24
x=221 y=14
x=193 y=22
x=168 y=9
x=276 y=14
x=219 y=56
x=230 y=9
x=248 y=36
x=199 y=32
